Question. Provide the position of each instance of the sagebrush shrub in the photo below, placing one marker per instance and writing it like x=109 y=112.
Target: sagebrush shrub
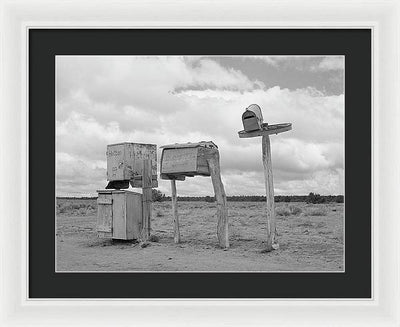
x=282 y=211
x=295 y=211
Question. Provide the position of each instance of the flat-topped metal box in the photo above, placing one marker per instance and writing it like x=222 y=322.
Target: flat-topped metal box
x=125 y=163
x=188 y=159
x=252 y=118
x=119 y=214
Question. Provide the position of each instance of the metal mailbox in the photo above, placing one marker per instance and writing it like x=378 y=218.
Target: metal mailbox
x=125 y=164
x=119 y=214
x=252 y=118
x=188 y=159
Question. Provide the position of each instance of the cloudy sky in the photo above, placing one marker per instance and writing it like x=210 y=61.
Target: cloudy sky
x=169 y=99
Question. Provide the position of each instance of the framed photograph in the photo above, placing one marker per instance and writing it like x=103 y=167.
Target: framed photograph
x=230 y=166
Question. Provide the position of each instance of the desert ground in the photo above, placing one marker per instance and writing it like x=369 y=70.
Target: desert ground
x=310 y=237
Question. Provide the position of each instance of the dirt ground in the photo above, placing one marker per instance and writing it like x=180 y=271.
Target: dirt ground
x=310 y=238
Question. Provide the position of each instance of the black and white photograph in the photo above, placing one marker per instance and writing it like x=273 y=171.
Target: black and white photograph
x=171 y=163
x=200 y=163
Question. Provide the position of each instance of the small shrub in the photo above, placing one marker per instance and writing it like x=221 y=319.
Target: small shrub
x=282 y=211
x=159 y=214
x=321 y=211
x=82 y=211
x=62 y=209
x=295 y=211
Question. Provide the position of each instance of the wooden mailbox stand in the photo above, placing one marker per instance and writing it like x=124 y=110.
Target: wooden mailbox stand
x=265 y=131
x=179 y=161
x=134 y=164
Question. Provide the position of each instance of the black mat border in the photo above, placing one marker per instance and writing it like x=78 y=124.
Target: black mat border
x=355 y=44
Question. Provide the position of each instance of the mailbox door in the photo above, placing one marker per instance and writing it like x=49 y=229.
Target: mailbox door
x=104 y=214
x=119 y=216
x=116 y=162
x=133 y=215
x=251 y=124
x=183 y=160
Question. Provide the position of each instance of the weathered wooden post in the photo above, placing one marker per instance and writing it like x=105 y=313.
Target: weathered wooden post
x=179 y=161
x=220 y=196
x=147 y=199
x=174 y=199
x=253 y=127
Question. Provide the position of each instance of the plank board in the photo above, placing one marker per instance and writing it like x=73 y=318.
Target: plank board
x=173 y=177
x=119 y=216
x=104 y=213
x=133 y=215
x=116 y=162
x=182 y=160
x=125 y=160
x=269 y=130
x=147 y=200
x=269 y=188
x=104 y=201
x=208 y=144
x=220 y=196
x=174 y=199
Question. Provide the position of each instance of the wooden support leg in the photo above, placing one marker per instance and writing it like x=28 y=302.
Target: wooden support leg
x=177 y=236
x=269 y=188
x=147 y=199
x=222 y=210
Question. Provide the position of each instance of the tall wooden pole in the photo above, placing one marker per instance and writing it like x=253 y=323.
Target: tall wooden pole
x=147 y=199
x=220 y=196
x=265 y=131
x=269 y=188
x=177 y=236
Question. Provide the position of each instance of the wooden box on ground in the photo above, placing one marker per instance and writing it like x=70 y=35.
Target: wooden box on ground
x=125 y=162
x=188 y=159
x=119 y=214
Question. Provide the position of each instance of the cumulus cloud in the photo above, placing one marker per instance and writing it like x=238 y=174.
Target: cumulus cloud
x=330 y=63
x=162 y=100
x=313 y=63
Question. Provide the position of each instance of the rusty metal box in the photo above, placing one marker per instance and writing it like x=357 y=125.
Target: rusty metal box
x=125 y=162
x=119 y=214
x=188 y=159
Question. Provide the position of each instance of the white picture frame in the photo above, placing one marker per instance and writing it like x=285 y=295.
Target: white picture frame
x=382 y=17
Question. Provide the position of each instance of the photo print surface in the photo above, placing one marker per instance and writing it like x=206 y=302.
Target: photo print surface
x=215 y=200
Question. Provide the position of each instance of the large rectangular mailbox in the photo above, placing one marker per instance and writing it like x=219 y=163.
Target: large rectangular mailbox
x=188 y=159
x=125 y=163
x=119 y=214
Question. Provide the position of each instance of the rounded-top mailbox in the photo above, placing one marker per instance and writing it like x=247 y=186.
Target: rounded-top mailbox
x=252 y=118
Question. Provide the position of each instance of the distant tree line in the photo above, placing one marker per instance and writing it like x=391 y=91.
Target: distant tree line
x=310 y=198
x=315 y=198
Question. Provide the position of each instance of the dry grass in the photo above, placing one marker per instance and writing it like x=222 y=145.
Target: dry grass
x=310 y=238
x=76 y=207
x=291 y=210
x=317 y=211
